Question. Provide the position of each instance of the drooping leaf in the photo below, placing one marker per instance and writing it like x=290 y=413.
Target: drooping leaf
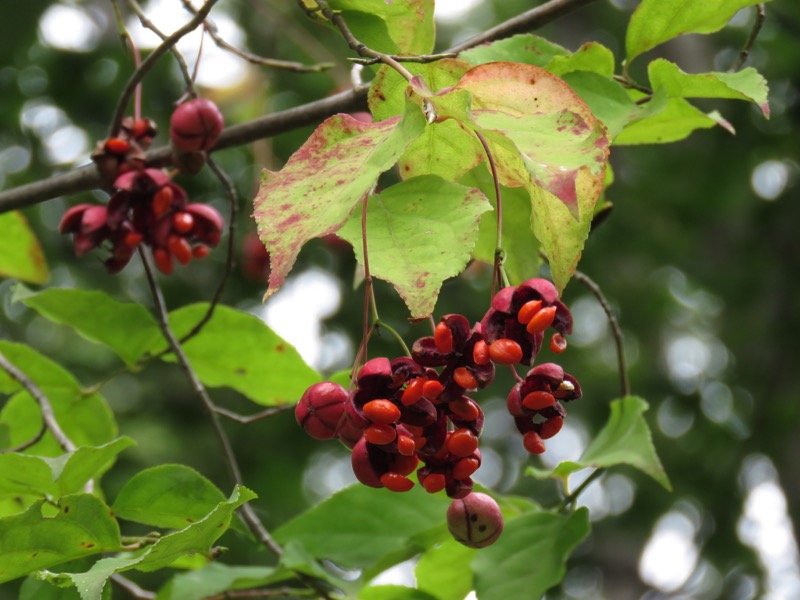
x=318 y=187
x=624 y=440
x=85 y=418
x=58 y=476
x=196 y=538
x=358 y=526
x=397 y=27
x=675 y=122
x=530 y=556
x=29 y=541
x=238 y=350
x=419 y=233
x=522 y=48
x=167 y=496
x=747 y=84
x=386 y=96
x=21 y=255
x=591 y=56
x=564 y=147
x=214 y=578
x=393 y=592
x=446 y=149
x=443 y=571
x=128 y=329
x=657 y=21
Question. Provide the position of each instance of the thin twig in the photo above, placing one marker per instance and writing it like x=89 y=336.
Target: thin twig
x=761 y=13
x=498 y=275
x=150 y=61
x=630 y=83
x=222 y=438
x=230 y=258
x=259 y=416
x=369 y=297
x=624 y=384
x=422 y=58
x=272 y=63
x=29 y=443
x=87 y=177
x=132 y=588
x=48 y=416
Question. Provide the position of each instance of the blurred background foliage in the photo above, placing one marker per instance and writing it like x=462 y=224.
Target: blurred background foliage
x=700 y=258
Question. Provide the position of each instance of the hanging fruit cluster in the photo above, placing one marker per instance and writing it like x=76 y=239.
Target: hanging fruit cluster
x=415 y=413
x=146 y=207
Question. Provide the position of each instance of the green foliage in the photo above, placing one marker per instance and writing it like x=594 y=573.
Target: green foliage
x=416 y=244
x=21 y=255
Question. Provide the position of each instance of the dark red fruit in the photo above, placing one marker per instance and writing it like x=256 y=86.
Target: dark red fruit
x=505 y=352
x=558 y=343
x=182 y=222
x=533 y=442
x=475 y=520
x=321 y=409
x=462 y=442
x=195 y=125
x=443 y=338
x=381 y=412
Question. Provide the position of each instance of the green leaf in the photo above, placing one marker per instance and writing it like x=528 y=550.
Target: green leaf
x=443 y=571
x=656 y=21
x=530 y=556
x=675 y=122
x=35 y=589
x=318 y=187
x=21 y=255
x=521 y=246
x=445 y=149
x=626 y=439
x=420 y=232
x=592 y=57
x=128 y=329
x=393 y=592
x=167 y=496
x=387 y=92
x=196 y=538
x=29 y=541
x=358 y=526
x=747 y=84
x=523 y=48
x=86 y=419
x=214 y=578
x=238 y=350
x=397 y=27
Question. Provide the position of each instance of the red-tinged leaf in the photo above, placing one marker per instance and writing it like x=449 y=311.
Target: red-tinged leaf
x=318 y=187
x=563 y=145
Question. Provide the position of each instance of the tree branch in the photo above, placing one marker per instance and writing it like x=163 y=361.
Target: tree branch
x=86 y=177
x=761 y=13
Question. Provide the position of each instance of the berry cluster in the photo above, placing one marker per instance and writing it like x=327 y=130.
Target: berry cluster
x=145 y=205
x=413 y=410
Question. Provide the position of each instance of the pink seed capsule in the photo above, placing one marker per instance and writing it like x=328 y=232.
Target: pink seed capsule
x=475 y=520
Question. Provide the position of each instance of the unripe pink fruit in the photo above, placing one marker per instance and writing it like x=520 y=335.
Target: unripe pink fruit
x=195 y=125
x=475 y=520
x=321 y=409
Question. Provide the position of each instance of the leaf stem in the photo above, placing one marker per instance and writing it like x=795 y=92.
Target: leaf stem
x=761 y=13
x=571 y=498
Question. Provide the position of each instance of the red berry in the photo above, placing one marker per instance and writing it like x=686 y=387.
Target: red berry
x=541 y=320
x=405 y=465
x=380 y=435
x=465 y=408
x=505 y=352
x=538 y=400
x=558 y=343
x=465 y=467
x=533 y=442
x=413 y=392
x=140 y=128
x=133 y=239
x=527 y=311
x=321 y=409
x=381 y=412
x=464 y=378
x=180 y=248
x=162 y=201
x=551 y=427
x=406 y=445
x=396 y=482
x=117 y=146
x=475 y=520
x=480 y=353
x=431 y=389
x=435 y=482
x=182 y=222
x=462 y=442
x=163 y=260
x=443 y=338
x=201 y=251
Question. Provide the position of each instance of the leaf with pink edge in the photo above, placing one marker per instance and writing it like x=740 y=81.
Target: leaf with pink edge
x=316 y=190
